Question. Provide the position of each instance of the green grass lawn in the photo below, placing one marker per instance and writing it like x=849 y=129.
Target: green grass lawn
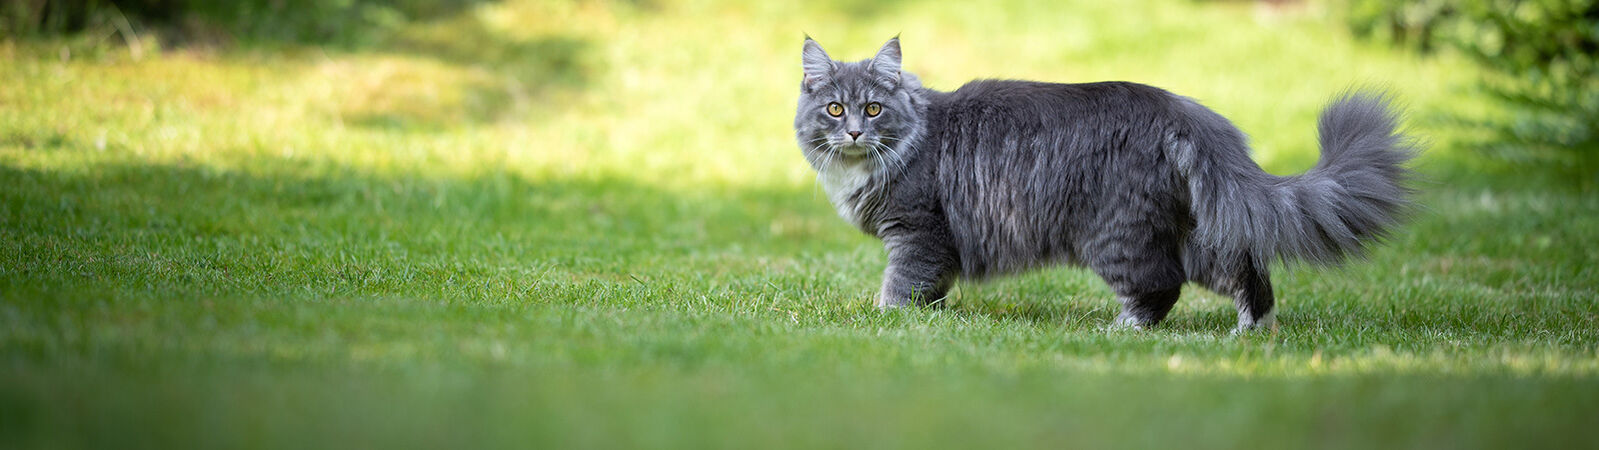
x=567 y=225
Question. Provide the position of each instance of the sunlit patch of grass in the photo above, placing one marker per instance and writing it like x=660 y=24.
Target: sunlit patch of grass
x=411 y=94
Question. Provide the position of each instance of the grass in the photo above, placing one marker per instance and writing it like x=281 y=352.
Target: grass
x=587 y=225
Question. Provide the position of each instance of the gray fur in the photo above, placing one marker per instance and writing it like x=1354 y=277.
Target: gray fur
x=1148 y=189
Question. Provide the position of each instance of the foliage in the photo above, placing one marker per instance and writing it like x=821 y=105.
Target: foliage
x=1543 y=55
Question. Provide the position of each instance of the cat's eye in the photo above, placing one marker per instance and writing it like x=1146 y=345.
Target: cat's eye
x=872 y=109
x=834 y=109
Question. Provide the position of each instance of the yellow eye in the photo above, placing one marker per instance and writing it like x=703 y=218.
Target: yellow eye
x=873 y=108
x=835 y=109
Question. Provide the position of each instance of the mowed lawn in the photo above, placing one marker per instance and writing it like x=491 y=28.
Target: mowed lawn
x=551 y=224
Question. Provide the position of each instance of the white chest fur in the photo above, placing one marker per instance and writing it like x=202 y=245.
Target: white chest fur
x=842 y=180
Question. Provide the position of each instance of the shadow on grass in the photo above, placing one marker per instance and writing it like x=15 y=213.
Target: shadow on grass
x=288 y=227
x=1514 y=154
x=1531 y=141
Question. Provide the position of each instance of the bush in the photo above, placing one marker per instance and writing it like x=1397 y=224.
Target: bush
x=1542 y=55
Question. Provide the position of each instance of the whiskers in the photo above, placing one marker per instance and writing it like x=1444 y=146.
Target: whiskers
x=881 y=152
x=837 y=160
x=897 y=158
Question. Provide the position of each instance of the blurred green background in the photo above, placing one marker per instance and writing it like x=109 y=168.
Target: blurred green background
x=586 y=224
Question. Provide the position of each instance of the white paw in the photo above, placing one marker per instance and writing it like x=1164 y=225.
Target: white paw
x=1126 y=321
x=1267 y=322
x=887 y=305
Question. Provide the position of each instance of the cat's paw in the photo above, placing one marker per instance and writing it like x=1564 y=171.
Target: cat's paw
x=1243 y=330
x=886 y=304
x=1126 y=321
x=1265 y=324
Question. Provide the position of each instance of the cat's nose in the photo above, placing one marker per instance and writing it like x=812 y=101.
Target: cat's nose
x=854 y=135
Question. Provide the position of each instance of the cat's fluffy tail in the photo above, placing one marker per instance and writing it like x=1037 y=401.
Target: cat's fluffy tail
x=1353 y=197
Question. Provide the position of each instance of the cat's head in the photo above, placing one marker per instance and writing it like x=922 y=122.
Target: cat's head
x=855 y=109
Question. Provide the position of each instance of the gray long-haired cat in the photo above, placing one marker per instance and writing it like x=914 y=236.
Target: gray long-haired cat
x=1148 y=189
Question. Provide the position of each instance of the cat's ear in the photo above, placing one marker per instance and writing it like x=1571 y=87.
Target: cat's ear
x=885 y=66
x=818 y=66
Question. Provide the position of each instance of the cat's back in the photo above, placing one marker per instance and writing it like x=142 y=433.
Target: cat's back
x=1052 y=122
x=1021 y=99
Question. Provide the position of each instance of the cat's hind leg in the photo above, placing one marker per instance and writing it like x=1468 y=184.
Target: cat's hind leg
x=1257 y=307
x=1247 y=283
x=1147 y=281
x=1145 y=309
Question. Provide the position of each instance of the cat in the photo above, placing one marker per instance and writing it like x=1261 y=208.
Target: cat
x=1148 y=189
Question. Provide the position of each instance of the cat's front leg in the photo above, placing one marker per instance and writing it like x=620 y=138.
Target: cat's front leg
x=920 y=272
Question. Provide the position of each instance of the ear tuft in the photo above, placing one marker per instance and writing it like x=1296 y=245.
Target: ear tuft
x=885 y=66
x=818 y=66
